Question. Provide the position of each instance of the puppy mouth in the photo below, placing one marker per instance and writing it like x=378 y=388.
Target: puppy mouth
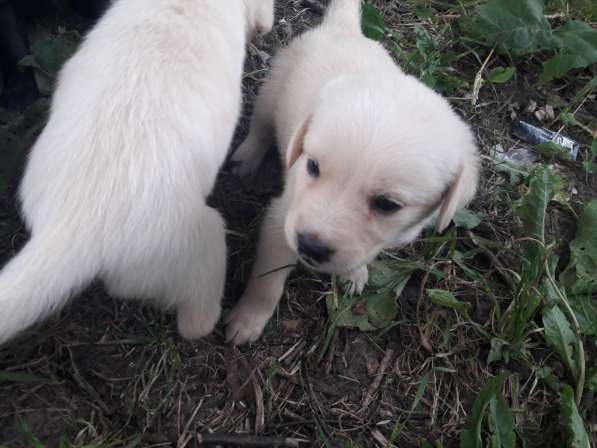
x=309 y=262
x=319 y=267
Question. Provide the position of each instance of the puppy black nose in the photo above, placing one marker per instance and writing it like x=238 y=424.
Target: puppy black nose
x=311 y=247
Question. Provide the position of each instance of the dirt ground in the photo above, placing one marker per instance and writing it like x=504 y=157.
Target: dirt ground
x=110 y=373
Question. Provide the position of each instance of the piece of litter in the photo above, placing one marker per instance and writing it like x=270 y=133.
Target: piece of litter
x=534 y=135
x=516 y=156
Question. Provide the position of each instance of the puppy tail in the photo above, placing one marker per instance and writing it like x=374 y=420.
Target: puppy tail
x=344 y=15
x=39 y=281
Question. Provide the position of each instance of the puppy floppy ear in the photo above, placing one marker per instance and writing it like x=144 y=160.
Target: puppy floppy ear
x=297 y=143
x=460 y=193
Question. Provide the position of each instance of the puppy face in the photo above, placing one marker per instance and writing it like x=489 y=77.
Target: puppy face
x=260 y=16
x=374 y=164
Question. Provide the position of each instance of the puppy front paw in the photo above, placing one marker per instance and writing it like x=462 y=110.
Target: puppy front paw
x=193 y=325
x=245 y=323
x=358 y=279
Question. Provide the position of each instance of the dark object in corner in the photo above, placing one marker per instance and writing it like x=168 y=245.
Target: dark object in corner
x=90 y=9
x=20 y=89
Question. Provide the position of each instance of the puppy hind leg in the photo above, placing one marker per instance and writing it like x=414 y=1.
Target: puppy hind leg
x=260 y=138
x=199 y=287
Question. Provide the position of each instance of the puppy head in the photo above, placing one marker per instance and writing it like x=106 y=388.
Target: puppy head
x=260 y=16
x=376 y=161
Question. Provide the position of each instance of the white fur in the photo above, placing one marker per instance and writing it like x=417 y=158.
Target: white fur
x=115 y=186
x=337 y=97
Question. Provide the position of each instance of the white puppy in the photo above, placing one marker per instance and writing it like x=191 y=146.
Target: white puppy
x=115 y=186
x=373 y=157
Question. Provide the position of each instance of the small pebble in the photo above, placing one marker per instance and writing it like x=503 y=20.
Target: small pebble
x=532 y=107
x=540 y=114
x=549 y=112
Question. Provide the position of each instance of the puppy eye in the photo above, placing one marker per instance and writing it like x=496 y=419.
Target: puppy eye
x=383 y=204
x=313 y=168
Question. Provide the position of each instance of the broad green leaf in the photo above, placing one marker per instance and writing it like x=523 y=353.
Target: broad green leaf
x=514 y=26
x=381 y=274
x=373 y=22
x=577 y=42
x=531 y=209
x=576 y=432
x=387 y=275
x=559 y=336
x=580 y=277
x=447 y=299
x=471 y=437
x=585 y=309
x=465 y=219
x=501 y=423
x=543 y=184
x=21 y=377
x=552 y=150
x=381 y=309
x=377 y=307
x=500 y=75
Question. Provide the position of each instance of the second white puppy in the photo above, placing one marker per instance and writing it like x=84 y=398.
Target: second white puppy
x=116 y=184
x=373 y=157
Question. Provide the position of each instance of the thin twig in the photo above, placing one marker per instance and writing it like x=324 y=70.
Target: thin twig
x=185 y=437
x=479 y=78
x=423 y=337
x=259 y=409
x=380 y=439
x=242 y=440
x=377 y=380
